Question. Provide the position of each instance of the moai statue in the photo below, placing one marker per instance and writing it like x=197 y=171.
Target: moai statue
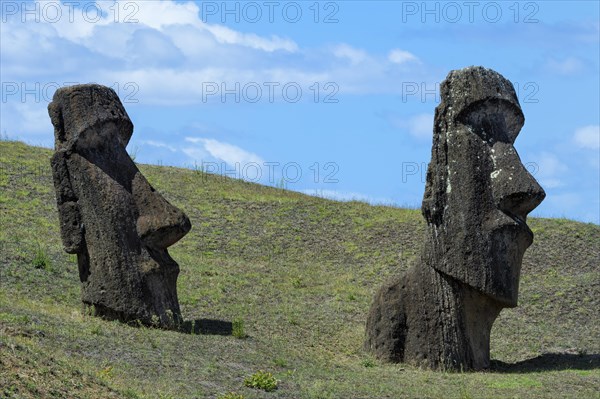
x=110 y=216
x=477 y=197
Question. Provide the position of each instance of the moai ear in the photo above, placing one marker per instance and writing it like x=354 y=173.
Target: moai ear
x=71 y=229
x=493 y=120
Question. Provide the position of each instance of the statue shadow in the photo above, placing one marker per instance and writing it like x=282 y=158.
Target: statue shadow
x=206 y=327
x=549 y=362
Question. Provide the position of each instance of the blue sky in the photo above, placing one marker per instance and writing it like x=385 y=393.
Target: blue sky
x=333 y=98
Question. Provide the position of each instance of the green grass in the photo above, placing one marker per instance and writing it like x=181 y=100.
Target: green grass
x=299 y=273
x=231 y=395
x=238 y=329
x=41 y=259
x=262 y=380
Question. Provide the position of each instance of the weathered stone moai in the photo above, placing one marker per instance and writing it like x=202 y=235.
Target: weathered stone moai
x=110 y=216
x=477 y=197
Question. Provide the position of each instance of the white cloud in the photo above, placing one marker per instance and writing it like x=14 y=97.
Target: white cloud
x=229 y=153
x=44 y=36
x=197 y=154
x=162 y=14
x=588 y=137
x=150 y=48
x=230 y=36
x=397 y=56
x=168 y=52
x=348 y=52
x=73 y=22
x=79 y=24
x=158 y=144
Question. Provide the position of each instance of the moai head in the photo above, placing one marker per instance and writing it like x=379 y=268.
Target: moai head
x=478 y=193
x=110 y=216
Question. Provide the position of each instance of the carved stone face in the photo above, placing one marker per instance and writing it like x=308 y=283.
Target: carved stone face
x=137 y=217
x=115 y=221
x=478 y=192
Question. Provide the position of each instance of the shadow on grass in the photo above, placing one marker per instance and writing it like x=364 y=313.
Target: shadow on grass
x=207 y=327
x=549 y=362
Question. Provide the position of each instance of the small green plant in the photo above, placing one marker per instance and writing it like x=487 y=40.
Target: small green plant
x=96 y=330
x=41 y=260
x=155 y=321
x=298 y=283
x=262 y=380
x=231 y=395
x=464 y=392
x=106 y=373
x=368 y=363
x=131 y=394
x=237 y=328
x=87 y=310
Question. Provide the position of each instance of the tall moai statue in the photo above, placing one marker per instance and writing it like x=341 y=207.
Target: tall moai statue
x=477 y=197
x=110 y=216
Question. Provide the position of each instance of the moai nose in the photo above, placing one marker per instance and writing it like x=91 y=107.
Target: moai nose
x=159 y=224
x=515 y=190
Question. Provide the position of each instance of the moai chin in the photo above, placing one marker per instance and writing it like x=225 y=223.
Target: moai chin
x=477 y=197
x=110 y=216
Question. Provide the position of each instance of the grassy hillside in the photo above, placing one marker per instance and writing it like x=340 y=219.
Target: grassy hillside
x=299 y=273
